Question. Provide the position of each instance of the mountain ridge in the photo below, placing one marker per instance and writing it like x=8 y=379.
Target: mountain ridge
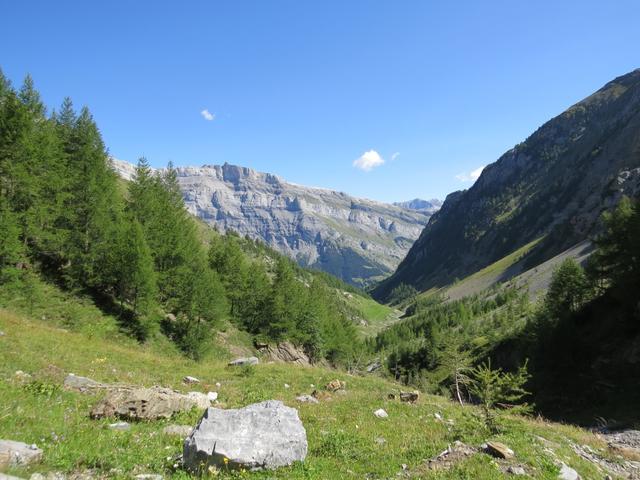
x=554 y=184
x=358 y=240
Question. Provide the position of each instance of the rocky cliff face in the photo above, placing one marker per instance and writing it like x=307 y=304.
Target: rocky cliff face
x=429 y=206
x=357 y=240
x=554 y=185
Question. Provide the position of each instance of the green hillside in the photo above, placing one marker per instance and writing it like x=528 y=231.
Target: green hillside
x=345 y=439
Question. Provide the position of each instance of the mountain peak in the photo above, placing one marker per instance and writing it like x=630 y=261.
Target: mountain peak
x=358 y=240
x=419 y=204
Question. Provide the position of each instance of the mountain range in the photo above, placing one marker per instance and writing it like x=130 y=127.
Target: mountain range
x=550 y=189
x=360 y=241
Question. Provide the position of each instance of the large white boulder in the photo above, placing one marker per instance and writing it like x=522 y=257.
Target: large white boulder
x=263 y=435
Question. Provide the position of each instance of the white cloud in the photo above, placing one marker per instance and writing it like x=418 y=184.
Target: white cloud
x=470 y=176
x=394 y=156
x=207 y=115
x=368 y=161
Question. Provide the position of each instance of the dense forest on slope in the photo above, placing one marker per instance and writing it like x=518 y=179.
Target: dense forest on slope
x=67 y=219
x=581 y=342
x=553 y=186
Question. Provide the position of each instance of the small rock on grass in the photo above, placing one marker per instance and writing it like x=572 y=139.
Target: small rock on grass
x=239 y=362
x=48 y=476
x=80 y=384
x=381 y=413
x=307 y=399
x=499 y=450
x=321 y=395
x=120 y=426
x=13 y=454
x=335 y=385
x=451 y=456
x=516 y=470
x=212 y=396
x=22 y=376
x=190 y=380
x=410 y=397
x=148 y=476
x=568 y=473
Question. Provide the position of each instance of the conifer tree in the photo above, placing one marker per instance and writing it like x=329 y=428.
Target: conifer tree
x=5 y=85
x=456 y=364
x=497 y=389
x=283 y=306
x=226 y=258
x=94 y=203
x=44 y=169
x=568 y=290
x=616 y=262
x=135 y=278
x=11 y=248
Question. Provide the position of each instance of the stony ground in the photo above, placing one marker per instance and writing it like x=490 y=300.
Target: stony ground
x=431 y=438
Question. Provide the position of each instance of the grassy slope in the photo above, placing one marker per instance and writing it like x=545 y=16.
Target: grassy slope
x=376 y=315
x=342 y=431
x=501 y=270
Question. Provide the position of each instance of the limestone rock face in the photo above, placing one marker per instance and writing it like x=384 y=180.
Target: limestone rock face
x=286 y=352
x=263 y=435
x=354 y=239
x=147 y=403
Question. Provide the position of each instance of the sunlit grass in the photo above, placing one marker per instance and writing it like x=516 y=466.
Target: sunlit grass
x=345 y=439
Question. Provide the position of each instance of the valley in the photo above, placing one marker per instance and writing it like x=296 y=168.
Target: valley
x=216 y=321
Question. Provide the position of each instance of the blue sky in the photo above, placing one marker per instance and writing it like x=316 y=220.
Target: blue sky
x=421 y=93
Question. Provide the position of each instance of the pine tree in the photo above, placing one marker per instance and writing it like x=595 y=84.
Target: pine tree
x=227 y=258
x=30 y=98
x=456 y=363
x=616 y=261
x=284 y=304
x=44 y=169
x=11 y=248
x=15 y=182
x=94 y=203
x=200 y=305
x=5 y=86
x=495 y=388
x=568 y=290
x=135 y=278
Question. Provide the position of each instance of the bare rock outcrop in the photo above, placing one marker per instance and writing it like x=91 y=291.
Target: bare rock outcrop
x=147 y=403
x=286 y=352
